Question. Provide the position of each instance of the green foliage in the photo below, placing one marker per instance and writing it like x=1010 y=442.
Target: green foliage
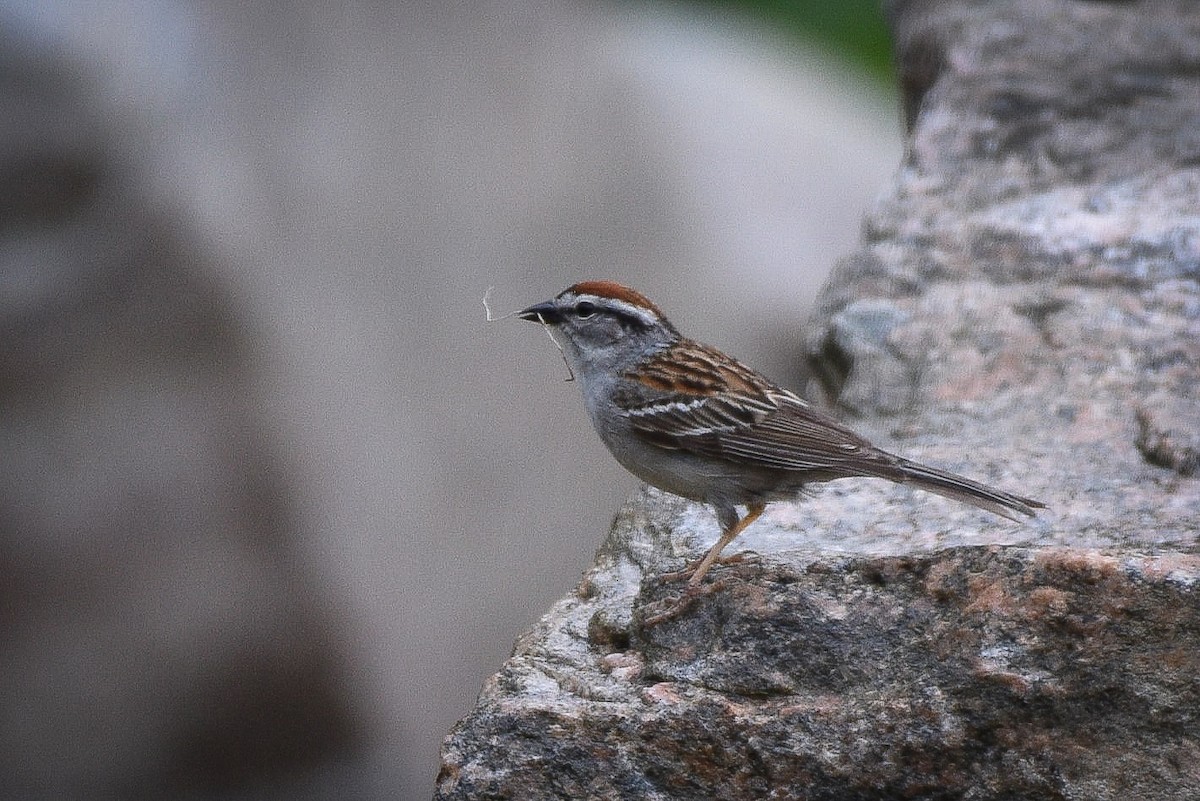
x=854 y=29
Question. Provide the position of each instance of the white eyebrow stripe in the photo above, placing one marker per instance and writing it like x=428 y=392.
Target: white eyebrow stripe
x=632 y=309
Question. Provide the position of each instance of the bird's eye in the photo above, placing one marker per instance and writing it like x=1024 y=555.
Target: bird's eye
x=585 y=309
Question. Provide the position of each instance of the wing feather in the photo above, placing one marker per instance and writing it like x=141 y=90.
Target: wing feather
x=725 y=410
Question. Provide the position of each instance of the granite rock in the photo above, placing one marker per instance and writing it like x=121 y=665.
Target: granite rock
x=962 y=672
x=1025 y=308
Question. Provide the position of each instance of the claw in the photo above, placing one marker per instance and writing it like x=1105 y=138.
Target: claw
x=689 y=570
x=678 y=604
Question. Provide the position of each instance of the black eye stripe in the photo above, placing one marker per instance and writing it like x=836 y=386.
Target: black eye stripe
x=630 y=320
x=585 y=309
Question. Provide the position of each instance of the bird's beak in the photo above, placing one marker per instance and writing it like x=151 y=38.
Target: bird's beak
x=545 y=312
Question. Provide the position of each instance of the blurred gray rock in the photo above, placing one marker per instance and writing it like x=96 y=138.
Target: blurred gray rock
x=161 y=634
x=1025 y=309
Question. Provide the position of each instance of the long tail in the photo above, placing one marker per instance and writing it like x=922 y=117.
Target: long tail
x=963 y=489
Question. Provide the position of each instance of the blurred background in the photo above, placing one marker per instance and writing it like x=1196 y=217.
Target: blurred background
x=274 y=497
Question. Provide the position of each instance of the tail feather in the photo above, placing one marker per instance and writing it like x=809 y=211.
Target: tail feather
x=960 y=488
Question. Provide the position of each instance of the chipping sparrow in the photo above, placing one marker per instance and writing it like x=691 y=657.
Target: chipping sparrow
x=690 y=420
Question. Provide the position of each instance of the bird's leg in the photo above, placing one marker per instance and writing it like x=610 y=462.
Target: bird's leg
x=731 y=526
x=753 y=511
x=694 y=592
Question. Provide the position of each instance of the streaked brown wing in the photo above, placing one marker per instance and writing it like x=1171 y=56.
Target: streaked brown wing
x=673 y=420
x=715 y=407
x=793 y=437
